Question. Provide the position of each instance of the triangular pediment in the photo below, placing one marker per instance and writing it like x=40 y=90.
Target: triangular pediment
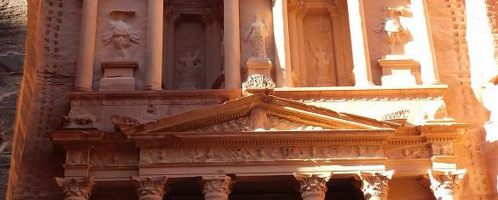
x=259 y=112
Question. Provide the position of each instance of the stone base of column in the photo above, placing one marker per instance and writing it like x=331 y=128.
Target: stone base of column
x=259 y=66
x=398 y=70
x=118 y=76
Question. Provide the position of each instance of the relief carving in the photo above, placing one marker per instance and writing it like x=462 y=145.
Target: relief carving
x=122 y=122
x=120 y=33
x=395 y=30
x=442 y=149
x=282 y=124
x=257 y=36
x=188 y=70
x=255 y=154
x=77 y=119
x=77 y=157
x=258 y=81
x=238 y=125
x=320 y=63
x=409 y=152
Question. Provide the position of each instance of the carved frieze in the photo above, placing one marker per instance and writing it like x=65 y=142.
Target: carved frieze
x=256 y=154
x=442 y=149
x=409 y=152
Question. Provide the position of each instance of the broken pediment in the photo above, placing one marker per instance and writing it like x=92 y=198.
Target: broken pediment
x=259 y=113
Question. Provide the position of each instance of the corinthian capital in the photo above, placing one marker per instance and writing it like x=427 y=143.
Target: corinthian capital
x=445 y=184
x=375 y=184
x=150 y=188
x=216 y=187
x=312 y=186
x=76 y=188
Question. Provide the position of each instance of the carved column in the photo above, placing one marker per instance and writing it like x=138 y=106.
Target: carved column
x=422 y=33
x=78 y=188
x=375 y=185
x=312 y=187
x=361 y=56
x=154 y=46
x=232 y=43
x=446 y=185
x=150 y=188
x=86 y=54
x=282 y=50
x=216 y=187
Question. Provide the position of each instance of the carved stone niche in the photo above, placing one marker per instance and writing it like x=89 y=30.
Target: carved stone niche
x=399 y=71
x=193 y=44
x=118 y=76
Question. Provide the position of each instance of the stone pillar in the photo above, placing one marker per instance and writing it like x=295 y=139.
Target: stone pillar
x=446 y=185
x=150 y=188
x=422 y=34
x=361 y=56
x=154 y=46
x=232 y=43
x=312 y=187
x=216 y=187
x=375 y=185
x=282 y=50
x=86 y=54
x=77 y=188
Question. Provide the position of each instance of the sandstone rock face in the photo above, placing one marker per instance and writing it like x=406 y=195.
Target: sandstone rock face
x=12 y=34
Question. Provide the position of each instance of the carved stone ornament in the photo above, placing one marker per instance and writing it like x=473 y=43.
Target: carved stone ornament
x=216 y=187
x=312 y=186
x=410 y=152
x=442 y=149
x=258 y=82
x=150 y=188
x=122 y=122
x=76 y=188
x=256 y=37
x=376 y=184
x=446 y=185
x=120 y=33
x=79 y=120
x=256 y=154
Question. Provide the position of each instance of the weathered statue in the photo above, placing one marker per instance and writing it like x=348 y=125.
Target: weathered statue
x=189 y=66
x=393 y=26
x=321 y=64
x=120 y=33
x=257 y=36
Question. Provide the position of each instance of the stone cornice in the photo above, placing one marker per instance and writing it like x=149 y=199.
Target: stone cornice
x=76 y=137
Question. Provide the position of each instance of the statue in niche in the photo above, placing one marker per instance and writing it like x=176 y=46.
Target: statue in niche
x=120 y=34
x=189 y=66
x=257 y=35
x=321 y=63
x=394 y=29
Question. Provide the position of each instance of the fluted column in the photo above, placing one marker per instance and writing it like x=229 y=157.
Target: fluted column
x=150 y=188
x=446 y=185
x=361 y=56
x=216 y=187
x=77 y=188
x=86 y=54
x=154 y=46
x=426 y=54
x=375 y=185
x=312 y=187
x=282 y=50
x=232 y=43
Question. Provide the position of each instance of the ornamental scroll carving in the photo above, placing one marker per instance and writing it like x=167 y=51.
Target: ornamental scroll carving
x=258 y=81
x=255 y=154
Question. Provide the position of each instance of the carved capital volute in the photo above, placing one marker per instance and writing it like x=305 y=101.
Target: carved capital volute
x=216 y=187
x=446 y=184
x=77 y=188
x=312 y=186
x=375 y=184
x=150 y=188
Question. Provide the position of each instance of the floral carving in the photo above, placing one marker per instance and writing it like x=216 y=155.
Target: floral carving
x=376 y=184
x=237 y=125
x=258 y=81
x=216 y=187
x=409 y=152
x=76 y=188
x=446 y=183
x=150 y=188
x=312 y=186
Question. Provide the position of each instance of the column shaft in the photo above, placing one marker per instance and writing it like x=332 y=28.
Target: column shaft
x=86 y=55
x=422 y=34
x=232 y=43
x=282 y=50
x=361 y=56
x=153 y=73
